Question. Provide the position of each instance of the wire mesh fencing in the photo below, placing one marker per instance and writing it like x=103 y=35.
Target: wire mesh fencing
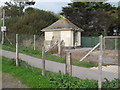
x=25 y=41
x=112 y=42
x=111 y=47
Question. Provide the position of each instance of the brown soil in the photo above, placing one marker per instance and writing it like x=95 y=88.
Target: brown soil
x=10 y=82
x=109 y=56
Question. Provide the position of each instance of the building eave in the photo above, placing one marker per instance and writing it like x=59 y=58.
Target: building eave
x=63 y=29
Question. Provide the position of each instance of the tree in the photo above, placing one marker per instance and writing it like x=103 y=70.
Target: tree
x=32 y=22
x=16 y=8
x=12 y=9
x=94 y=18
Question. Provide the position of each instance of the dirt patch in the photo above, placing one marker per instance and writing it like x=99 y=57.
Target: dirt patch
x=109 y=56
x=10 y=82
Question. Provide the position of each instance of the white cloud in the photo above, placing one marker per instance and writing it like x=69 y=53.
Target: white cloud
x=53 y=0
x=39 y=0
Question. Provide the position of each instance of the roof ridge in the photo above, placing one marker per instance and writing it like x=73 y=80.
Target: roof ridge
x=61 y=24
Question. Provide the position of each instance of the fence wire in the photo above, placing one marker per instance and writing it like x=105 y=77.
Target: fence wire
x=110 y=47
x=25 y=41
x=112 y=43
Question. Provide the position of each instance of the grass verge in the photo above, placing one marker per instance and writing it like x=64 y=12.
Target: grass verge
x=26 y=74
x=48 y=56
x=32 y=77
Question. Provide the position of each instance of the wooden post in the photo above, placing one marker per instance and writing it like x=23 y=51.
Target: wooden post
x=59 y=48
x=68 y=64
x=2 y=37
x=3 y=32
x=100 y=64
x=17 y=53
x=104 y=43
x=34 y=42
x=43 y=61
x=115 y=43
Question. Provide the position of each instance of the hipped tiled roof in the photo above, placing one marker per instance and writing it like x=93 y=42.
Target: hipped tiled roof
x=62 y=24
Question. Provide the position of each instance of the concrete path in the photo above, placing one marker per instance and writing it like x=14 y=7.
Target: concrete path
x=80 y=72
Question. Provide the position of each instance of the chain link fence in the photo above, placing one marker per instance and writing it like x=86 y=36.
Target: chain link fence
x=25 y=41
x=111 y=45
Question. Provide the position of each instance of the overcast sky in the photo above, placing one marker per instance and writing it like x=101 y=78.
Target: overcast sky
x=53 y=5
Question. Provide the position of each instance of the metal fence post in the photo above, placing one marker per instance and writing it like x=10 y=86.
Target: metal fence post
x=43 y=60
x=17 y=53
x=68 y=64
x=100 y=64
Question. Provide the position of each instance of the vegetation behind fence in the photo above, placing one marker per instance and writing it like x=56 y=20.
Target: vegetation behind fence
x=24 y=40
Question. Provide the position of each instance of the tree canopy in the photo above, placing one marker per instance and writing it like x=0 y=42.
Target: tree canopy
x=31 y=22
x=13 y=9
x=94 y=18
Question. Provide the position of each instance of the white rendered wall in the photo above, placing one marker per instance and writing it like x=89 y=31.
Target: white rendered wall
x=48 y=35
x=67 y=36
x=79 y=39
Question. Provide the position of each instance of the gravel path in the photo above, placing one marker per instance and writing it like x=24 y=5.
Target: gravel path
x=109 y=68
x=80 y=72
x=10 y=82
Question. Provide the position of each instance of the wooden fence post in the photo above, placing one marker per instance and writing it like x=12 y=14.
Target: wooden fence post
x=17 y=53
x=68 y=64
x=59 y=48
x=104 y=43
x=2 y=38
x=3 y=32
x=34 y=43
x=43 y=61
x=100 y=64
x=115 y=43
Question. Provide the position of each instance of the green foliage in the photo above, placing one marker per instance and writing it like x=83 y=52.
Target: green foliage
x=13 y=9
x=9 y=22
x=27 y=75
x=65 y=81
x=111 y=84
x=32 y=77
x=0 y=64
x=32 y=22
x=95 y=18
x=85 y=64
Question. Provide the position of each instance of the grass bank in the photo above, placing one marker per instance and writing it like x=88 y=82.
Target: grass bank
x=32 y=77
x=38 y=54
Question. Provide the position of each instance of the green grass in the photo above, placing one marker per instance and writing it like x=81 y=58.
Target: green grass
x=32 y=77
x=48 y=56
x=27 y=75
x=0 y=46
x=0 y=64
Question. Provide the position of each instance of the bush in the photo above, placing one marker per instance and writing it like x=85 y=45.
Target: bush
x=32 y=22
x=65 y=81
